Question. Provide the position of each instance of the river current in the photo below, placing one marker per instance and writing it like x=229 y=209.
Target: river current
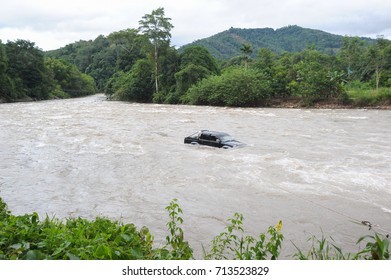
x=320 y=171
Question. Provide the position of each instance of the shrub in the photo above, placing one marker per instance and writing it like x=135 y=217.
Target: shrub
x=230 y=245
x=27 y=237
x=236 y=87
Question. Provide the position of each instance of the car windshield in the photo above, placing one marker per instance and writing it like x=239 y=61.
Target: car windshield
x=194 y=135
x=225 y=138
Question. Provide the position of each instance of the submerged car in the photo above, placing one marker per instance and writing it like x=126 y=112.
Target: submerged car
x=213 y=139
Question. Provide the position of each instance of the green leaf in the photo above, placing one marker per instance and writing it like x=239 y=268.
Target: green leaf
x=72 y=256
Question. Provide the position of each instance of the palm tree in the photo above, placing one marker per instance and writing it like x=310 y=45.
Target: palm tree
x=246 y=49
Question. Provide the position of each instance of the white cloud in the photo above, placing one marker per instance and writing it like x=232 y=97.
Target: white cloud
x=52 y=24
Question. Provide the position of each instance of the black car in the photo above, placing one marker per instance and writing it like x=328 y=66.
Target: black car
x=213 y=138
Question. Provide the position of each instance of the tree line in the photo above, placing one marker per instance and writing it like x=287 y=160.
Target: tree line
x=141 y=65
x=161 y=74
x=26 y=74
x=292 y=38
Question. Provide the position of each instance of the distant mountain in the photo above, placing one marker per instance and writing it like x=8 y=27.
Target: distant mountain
x=293 y=38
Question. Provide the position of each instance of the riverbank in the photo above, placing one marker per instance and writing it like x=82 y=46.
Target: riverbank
x=297 y=102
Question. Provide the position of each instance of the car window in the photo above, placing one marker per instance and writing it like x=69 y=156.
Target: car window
x=207 y=137
x=227 y=138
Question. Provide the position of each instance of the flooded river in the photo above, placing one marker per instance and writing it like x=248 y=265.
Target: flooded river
x=316 y=170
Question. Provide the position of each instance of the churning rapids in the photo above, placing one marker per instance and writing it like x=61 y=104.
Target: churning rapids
x=319 y=171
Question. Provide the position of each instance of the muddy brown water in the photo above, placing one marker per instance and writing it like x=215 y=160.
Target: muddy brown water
x=319 y=171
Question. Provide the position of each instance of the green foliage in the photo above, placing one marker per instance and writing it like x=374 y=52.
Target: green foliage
x=234 y=87
x=197 y=55
x=246 y=50
x=232 y=245
x=135 y=85
x=379 y=62
x=169 y=65
x=360 y=95
x=227 y=44
x=27 y=71
x=377 y=249
x=27 y=237
x=316 y=79
x=156 y=27
x=290 y=62
x=322 y=249
x=7 y=91
x=266 y=60
x=4 y=213
x=193 y=65
x=119 y=64
x=351 y=55
x=26 y=74
x=129 y=47
x=180 y=249
x=103 y=57
x=185 y=78
x=68 y=80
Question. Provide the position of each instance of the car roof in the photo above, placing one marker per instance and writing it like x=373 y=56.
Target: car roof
x=216 y=133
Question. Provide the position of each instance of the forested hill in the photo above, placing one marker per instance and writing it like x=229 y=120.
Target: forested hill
x=227 y=44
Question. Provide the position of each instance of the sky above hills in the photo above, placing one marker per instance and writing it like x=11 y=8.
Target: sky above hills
x=54 y=24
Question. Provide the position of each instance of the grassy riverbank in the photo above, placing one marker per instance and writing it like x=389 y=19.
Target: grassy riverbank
x=355 y=98
x=28 y=237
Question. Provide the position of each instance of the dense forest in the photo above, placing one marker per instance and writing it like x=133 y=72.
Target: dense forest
x=141 y=65
x=25 y=74
x=293 y=38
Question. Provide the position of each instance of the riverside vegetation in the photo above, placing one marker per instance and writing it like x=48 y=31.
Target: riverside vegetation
x=27 y=237
x=141 y=65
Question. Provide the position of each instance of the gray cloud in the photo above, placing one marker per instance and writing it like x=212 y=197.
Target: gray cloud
x=52 y=24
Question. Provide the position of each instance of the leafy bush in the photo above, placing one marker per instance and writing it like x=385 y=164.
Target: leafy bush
x=321 y=249
x=26 y=237
x=361 y=96
x=135 y=85
x=234 y=87
x=68 y=80
x=230 y=245
x=378 y=249
x=180 y=249
x=324 y=249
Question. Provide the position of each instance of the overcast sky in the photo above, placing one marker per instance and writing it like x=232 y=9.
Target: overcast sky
x=52 y=24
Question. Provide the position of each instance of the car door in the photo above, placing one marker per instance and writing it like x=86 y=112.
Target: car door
x=214 y=141
x=203 y=140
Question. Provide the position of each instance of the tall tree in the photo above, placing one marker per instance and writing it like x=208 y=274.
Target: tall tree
x=196 y=64
x=379 y=59
x=129 y=46
x=246 y=51
x=157 y=28
x=198 y=55
x=351 y=55
x=6 y=91
x=27 y=69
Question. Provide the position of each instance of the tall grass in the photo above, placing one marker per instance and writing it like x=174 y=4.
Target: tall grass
x=362 y=94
